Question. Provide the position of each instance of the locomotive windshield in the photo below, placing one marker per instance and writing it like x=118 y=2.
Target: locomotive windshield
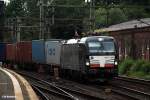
x=101 y=46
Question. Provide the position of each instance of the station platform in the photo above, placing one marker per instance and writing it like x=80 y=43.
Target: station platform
x=15 y=87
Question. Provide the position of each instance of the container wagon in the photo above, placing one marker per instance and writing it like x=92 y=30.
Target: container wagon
x=38 y=51
x=52 y=51
x=10 y=52
x=2 y=52
x=24 y=52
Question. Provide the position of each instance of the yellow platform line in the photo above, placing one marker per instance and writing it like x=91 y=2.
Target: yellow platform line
x=16 y=85
x=31 y=93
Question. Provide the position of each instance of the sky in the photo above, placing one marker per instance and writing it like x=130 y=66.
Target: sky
x=5 y=0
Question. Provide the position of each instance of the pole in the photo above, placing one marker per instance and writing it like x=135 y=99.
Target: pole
x=90 y=17
x=107 y=13
x=18 y=29
x=41 y=35
x=53 y=16
x=93 y=4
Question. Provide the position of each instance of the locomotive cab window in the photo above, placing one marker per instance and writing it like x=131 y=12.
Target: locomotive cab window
x=109 y=46
x=105 y=46
x=94 y=47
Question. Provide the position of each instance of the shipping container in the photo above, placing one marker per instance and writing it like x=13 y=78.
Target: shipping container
x=10 y=52
x=38 y=51
x=52 y=51
x=24 y=52
x=2 y=51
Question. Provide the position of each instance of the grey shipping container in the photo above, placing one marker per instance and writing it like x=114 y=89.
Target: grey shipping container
x=38 y=51
x=52 y=51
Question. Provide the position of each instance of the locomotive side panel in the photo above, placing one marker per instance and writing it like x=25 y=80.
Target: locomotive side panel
x=73 y=57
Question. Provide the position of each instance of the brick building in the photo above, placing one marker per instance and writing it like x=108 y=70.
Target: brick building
x=133 y=38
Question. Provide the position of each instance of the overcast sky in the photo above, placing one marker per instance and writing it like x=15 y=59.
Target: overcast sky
x=5 y=0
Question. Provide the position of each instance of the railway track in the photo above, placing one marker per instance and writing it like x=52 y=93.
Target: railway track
x=123 y=92
x=88 y=91
x=42 y=95
x=134 y=80
x=101 y=90
x=49 y=89
x=51 y=94
x=134 y=88
x=120 y=89
x=60 y=90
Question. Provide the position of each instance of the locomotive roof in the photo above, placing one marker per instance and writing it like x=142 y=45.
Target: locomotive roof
x=83 y=40
x=104 y=37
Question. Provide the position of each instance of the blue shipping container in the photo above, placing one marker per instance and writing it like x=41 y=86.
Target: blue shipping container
x=38 y=51
x=2 y=51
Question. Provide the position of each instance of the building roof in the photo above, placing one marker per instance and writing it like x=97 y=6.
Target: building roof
x=140 y=23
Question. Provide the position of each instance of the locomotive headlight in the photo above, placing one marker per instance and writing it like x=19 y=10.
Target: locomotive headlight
x=87 y=63
x=116 y=63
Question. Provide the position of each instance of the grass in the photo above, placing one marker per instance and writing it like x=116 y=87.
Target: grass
x=135 y=68
x=125 y=66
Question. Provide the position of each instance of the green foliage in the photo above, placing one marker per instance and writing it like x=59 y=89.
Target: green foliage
x=125 y=66
x=116 y=16
x=31 y=8
x=100 y=17
x=136 y=2
x=147 y=77
x=138 y=69
x=104 y=16
x=137 y=65
x=73 y=19
x=138 y=74
x=15 y=8
x=146 y=68
x=135 y=13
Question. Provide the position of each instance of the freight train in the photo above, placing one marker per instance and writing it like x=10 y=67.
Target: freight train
x=94 y=57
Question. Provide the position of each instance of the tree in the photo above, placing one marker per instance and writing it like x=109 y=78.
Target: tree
x=70 y=20
x=67 y=20
x=15 y=8
x=115 y=16
x=136 y=13
x=32 y=8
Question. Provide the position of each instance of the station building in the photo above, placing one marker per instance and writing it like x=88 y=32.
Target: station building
x=133 y=38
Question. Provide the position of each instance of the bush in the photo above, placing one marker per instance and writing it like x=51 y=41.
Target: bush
x=138 y=74
x=125 y=66
x=138 y=69
x=147 y=77
x=146 y=68
x=137 y=66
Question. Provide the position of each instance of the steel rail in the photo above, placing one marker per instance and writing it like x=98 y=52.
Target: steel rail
x=40 y=93
x=51 y=84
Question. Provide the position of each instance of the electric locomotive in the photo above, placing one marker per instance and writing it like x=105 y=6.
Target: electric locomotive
x=95 y=58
